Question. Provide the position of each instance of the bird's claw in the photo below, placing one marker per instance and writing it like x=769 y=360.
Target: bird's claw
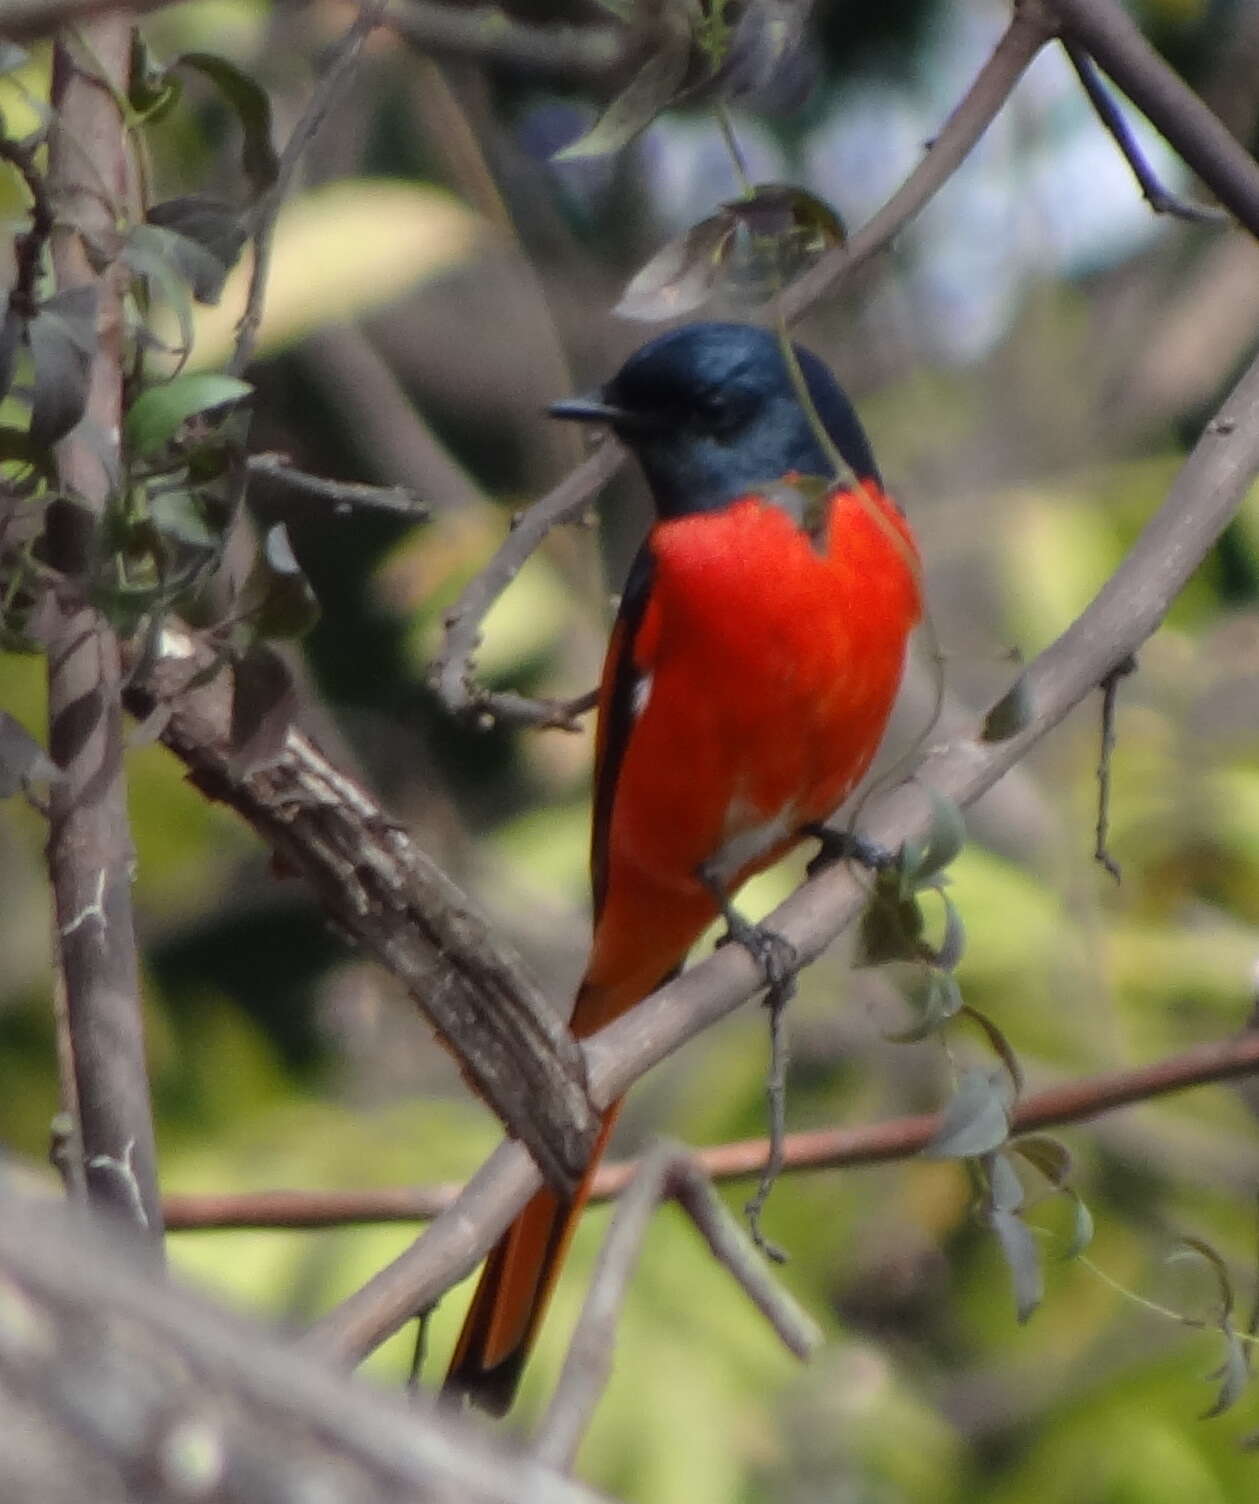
x=846 y=846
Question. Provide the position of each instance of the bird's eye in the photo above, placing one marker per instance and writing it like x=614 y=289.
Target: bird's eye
x=717 y=412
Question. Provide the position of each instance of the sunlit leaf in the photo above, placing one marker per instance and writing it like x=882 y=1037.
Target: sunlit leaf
x=157 y=415
x=62 y=337
x=253 y=109
x=22 y=760
x=1021 y=1252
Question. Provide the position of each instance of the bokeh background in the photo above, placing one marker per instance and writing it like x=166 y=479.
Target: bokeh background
x=1032 y=359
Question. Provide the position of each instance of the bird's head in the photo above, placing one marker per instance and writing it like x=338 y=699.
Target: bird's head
x=712 y=413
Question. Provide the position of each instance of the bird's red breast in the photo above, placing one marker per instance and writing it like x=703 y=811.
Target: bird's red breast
x=765 y=667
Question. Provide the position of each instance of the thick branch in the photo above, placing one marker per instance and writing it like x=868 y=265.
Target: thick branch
x=115 y=1391
x=570 y=54
x=381 y=890
x=89 y=846
x=1129 y=608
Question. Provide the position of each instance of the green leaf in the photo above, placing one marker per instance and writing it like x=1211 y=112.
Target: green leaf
x=157 y=414
x=1011 y=714
x=1004 y=1049
x=922 y=862
x=1021 y=1252
x=1081 y=1226
x=891 y=927
x=976 y=1120
x=1192 y=1247
x=652 y=89
x=202 y=271
x=1048 y=1155
x=62 y=337
x=12 y=57
x=178 y=514
x=253 y=109
x=210 y=226
x=940 y=1002
x=148 y=254
x=1234 y=1373
x=22 y=760
x=151 y=91
x=953 y=944
x=277 y=598
x=1004 y=1186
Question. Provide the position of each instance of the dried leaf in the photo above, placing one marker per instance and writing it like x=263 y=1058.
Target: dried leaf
x=62 y=337
x=976 y=1120
x=652 y=89
x=12 y=328
x=1011 y=714
x=682 y=276
x=264 y=701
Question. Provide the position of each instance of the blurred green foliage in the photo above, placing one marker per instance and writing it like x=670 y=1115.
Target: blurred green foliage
x=281 y=1059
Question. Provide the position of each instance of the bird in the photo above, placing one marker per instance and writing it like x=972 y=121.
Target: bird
x=751 y=670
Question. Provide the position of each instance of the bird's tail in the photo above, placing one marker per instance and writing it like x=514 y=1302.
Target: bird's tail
x=514 y=1289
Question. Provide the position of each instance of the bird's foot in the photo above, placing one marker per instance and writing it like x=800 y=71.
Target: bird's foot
x=772 y=952
x=846 y=846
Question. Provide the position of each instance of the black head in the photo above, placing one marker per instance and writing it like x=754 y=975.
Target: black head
x=711 y=413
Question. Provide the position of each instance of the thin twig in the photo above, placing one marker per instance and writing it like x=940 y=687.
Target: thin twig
x=816 y=1149
x=1204 y=497
x=341 y=59
x=665 y=1172
x=451 y=673
x=571 y=54
x=1110 y=693
x=1161 y=200
x=344 y=495
x=776 y=1000
x=1111 y=38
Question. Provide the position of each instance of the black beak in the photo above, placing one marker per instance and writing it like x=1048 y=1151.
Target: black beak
x=590 y=409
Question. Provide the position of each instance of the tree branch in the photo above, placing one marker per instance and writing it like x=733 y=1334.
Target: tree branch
x=114 y=1390
x=572 y=54
x=339 y=64
x=1129 y=608
x=380 y=889
x=90 y=854
x=665 y=1172
x=816 y=1149
x=344 y=496
x=1112 y=39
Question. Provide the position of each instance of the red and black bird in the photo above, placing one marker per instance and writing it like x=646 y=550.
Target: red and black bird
x=749 y=678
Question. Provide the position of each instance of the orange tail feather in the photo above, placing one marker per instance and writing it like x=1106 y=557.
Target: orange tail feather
x=514 y=1290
